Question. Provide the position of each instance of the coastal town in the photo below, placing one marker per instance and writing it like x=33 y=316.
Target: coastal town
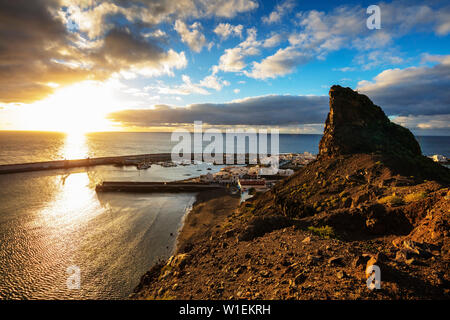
x=257 y=178
x=247 y=179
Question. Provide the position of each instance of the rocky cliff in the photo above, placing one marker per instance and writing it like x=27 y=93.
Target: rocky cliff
x=355 y=125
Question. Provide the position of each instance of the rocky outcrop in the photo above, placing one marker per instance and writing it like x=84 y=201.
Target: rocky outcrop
x=356 y=125
x=366 y=162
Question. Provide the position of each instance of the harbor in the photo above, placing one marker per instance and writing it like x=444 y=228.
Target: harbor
x=142 y=161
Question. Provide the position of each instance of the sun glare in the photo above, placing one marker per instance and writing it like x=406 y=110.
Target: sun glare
x=76 y=109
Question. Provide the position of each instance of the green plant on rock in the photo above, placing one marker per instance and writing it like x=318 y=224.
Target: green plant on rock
x=412 y=197
x=325 y=232
x=393 y=200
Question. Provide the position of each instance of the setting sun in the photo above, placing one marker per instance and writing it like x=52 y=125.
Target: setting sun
x=74 y=109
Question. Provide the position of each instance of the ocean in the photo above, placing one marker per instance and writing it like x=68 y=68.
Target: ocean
x=53 y=220
x=22 y=146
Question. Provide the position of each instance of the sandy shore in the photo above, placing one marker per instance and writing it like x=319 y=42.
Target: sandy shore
x=210 y=209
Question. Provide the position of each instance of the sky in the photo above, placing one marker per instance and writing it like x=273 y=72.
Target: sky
x=137 y=65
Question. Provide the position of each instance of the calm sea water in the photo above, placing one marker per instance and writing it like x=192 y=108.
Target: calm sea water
x=52 y=220
x=21 y=147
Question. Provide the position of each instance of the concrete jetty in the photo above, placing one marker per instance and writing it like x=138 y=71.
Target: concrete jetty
x=154 y=187
x=65 y=164
x=116 y=160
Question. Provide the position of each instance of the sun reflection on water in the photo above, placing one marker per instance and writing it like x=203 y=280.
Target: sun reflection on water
x=75 y=146
x=74 y=203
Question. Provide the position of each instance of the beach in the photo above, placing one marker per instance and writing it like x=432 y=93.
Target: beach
x=208 y=212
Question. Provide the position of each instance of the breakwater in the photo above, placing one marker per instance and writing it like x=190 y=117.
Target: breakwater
x=154 y=187
x=115 y=160
x=64 y=164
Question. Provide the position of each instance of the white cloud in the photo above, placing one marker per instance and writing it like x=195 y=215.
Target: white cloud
x=233 y=59
x=213 y=82
x=225 y=30
x=250 y=44
x=281 y=63
x=155 y=34
x=379 y=39
x=344 y=69
x=191 y=35
x=237 y=91
x=280 y=10
x=272 y=41
x=228 y=8
x=377 y=58
x=445 y=59
x=322 y=32
x=402 y=17
x=424 y=122
x=186 y=88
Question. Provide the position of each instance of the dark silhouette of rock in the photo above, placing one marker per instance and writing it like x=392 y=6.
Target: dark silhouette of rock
x=356 y=125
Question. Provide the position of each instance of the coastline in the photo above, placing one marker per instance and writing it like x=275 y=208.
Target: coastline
x=208 y=212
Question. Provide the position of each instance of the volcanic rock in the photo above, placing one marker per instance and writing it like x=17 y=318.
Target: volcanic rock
x=356 y=125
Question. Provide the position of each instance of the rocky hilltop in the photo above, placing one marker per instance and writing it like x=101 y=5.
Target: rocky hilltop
x=355 y=125
x=369 y=198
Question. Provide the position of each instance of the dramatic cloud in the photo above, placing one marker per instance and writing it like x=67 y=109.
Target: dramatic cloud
x=412 y=91
x=416 y=97
x=93 y=18
x=31 y=40
x=38 y=53
x=123 y=51
x=47 y=44
x=270 y=110
x=225 y=30
x=191 y=35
